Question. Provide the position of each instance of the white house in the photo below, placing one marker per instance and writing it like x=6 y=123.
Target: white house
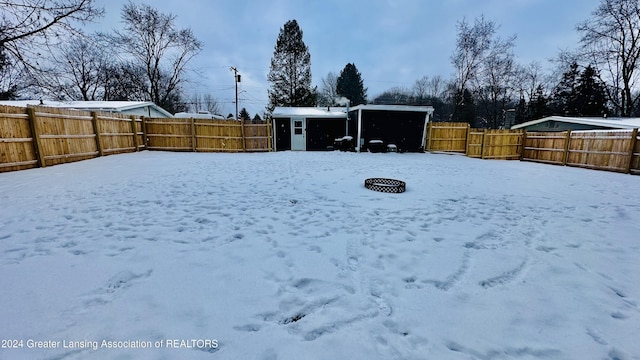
x=562 y=123
x=139 y=108
x=198 y=115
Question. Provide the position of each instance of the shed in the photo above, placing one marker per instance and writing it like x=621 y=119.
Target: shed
x=139 y=108
x=562 y=123
x=308 y=128
x=404 y=126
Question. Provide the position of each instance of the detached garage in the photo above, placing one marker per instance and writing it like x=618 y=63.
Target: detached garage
x=308 y=128
x=401 y=126
x=373 y=127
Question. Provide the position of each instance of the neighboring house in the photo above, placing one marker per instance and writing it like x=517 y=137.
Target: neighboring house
x=308 y=128
x=561 y=123
x=199 y=115
x=404 y=126
x=139 y=108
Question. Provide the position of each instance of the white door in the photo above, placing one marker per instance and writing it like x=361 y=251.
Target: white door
x=298 y=134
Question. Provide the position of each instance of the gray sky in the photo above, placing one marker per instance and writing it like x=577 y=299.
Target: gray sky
x=391 y=42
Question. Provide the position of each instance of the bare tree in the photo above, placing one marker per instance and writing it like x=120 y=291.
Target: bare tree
x=28 y=28
x=434 y=87
x=494 y=86
x=328 y=92
x=206 y=102
x=11 y=79
x=527 y=80
x=153 y=41
x=484 y=65
x=611 y=40
x=397 y=95
x=420 y=87
x=124 y=81
x=76 y=72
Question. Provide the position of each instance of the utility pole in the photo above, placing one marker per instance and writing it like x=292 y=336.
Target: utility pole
x=237 y=79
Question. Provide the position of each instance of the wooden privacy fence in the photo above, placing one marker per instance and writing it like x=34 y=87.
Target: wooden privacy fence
x=204 y=135
x=611 y=150
x=41 y=136
x=478 y=143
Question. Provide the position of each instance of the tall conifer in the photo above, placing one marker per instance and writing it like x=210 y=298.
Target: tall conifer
x=290 y=73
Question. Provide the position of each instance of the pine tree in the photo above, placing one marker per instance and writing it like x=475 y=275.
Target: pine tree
x=564 y=101
x=538 y=107
x=591 y=95
x=290 y=73
x=521 y=111
x=244 y=114
x=351 y=86
x=466 y=109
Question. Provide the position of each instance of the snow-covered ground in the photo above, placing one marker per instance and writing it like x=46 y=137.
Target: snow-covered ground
x=288 y=256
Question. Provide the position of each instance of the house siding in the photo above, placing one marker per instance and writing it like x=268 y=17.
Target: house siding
x=553 y=125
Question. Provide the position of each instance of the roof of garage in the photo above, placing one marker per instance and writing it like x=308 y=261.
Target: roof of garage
x=310 y=112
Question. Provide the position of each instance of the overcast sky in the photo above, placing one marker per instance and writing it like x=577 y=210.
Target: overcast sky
x=391 y=42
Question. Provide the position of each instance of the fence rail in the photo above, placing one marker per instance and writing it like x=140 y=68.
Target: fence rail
x=207 y=135
x=477 y=143
x=611 y=150
x=42 y=136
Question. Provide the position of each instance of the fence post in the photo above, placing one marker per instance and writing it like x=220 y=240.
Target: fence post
x=484 y=143
x=96 y=129
x=429 y=134
x=466 y=148
x=35 y=133
x=567 y=144
x=145 y=140
x=134 y=129
x=524 y=144
x=244 y=144
x=194 y=144
x=269 y=135
x=632 y=147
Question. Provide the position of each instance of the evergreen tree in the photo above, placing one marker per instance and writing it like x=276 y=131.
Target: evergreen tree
x=244 y=114
x=257 y=119
x=538 y=107
x=521 y=111
x=351 y=86
x=290 y=73
x=564 y=101
x=580 y=93
x=465 y=109
x=591 y=95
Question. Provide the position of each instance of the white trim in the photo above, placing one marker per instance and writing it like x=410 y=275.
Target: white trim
x=359 y=129
x=620 y=123
x=106 y=106
x=427 y=109
x=309 y=112
x=424 y=132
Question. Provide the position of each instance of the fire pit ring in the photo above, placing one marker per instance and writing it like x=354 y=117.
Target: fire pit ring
x=385 y=185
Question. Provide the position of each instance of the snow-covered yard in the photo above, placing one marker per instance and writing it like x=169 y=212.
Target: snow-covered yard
x=288 y=256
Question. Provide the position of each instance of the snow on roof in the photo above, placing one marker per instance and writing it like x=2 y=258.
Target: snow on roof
x=198 y=115
x=620 y=123
x=335 y=112
x=426 y=109
x=116 y=106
